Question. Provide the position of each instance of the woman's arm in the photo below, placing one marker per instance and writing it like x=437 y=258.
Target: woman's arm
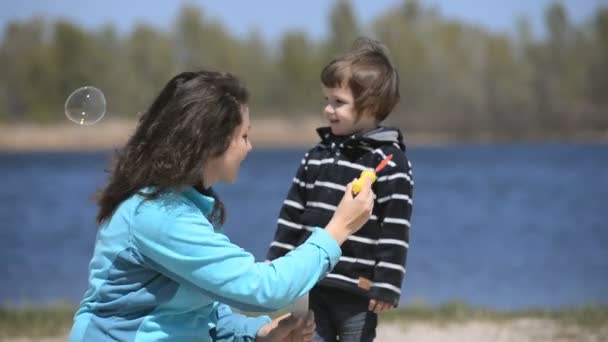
x=177 y=240
x=185 y=247
x=236 y=327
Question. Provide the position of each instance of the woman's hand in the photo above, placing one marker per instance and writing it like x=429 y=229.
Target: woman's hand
x=352 y=212
x=288 y=328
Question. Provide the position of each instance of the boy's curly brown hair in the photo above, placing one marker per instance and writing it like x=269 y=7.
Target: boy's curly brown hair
x=367 y=70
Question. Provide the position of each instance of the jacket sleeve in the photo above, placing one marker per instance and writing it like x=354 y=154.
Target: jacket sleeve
x=182 y=244
x=394 y=201
x=290 y=231
x=235 y=327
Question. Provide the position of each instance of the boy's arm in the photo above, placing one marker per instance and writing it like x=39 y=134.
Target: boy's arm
x=290 y=231
x=394 y=200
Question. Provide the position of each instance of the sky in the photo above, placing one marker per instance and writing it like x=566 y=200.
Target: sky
x=272 y=18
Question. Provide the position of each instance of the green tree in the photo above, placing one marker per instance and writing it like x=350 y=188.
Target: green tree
x=299 y=84
x=74 y=56
x=201 y=42
x=598 y=68
x=258 y=69
x=151 y=64
x=399 y=30
x=29 y=72
x=113 y=72
x=343 y=28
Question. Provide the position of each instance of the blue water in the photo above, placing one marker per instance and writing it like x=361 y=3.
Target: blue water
x=514 y=226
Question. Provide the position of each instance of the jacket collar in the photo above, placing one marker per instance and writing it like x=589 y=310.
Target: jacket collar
x=374 y=138
x=204 y=203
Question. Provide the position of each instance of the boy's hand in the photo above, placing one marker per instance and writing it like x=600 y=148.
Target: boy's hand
x=379 y=306
x=288 y=328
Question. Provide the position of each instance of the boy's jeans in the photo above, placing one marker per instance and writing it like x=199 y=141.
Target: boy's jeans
x=340 y=313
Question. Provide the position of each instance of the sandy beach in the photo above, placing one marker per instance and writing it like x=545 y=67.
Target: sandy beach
x=111 y=134
x=268 y=132
x=516 y=330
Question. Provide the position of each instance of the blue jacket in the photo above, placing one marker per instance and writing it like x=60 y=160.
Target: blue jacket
x=161 y=272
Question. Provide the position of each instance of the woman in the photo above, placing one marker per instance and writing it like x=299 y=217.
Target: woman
x=162 y=269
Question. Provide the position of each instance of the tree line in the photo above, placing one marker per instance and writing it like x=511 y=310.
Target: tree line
x=457 y=79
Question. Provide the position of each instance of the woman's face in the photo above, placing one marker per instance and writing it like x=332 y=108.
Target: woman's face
x=225 y=168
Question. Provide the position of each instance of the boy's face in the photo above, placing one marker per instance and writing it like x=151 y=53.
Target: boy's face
x=341 y=115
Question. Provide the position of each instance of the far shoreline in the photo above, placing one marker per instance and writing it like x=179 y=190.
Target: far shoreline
x=265 y=133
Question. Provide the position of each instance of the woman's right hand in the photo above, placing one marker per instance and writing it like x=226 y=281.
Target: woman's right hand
x=352 y=212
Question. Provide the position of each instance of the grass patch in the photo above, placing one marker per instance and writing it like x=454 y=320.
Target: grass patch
x=53 y=320
x=590 y=317
x=56 y=320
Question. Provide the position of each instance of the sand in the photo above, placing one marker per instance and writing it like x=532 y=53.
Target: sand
x=112 y=134
x=516 y=330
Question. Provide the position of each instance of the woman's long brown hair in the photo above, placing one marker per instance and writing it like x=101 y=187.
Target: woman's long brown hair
x=193 y=119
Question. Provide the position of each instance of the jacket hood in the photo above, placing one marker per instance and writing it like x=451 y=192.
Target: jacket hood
x=374 y=138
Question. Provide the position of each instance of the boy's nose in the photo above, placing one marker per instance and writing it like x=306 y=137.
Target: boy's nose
x=329 y=109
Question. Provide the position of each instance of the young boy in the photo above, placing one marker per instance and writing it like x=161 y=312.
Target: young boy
x=361 y=88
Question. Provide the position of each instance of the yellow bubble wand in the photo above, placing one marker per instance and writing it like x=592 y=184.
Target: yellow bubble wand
x=358 y=183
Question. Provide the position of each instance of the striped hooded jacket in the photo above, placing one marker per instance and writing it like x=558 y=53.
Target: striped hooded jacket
x=373 y=260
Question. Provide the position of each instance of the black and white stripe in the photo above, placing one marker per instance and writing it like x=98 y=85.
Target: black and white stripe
x=378 y=251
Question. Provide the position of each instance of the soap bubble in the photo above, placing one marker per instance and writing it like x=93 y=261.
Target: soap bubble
x=85 y=106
